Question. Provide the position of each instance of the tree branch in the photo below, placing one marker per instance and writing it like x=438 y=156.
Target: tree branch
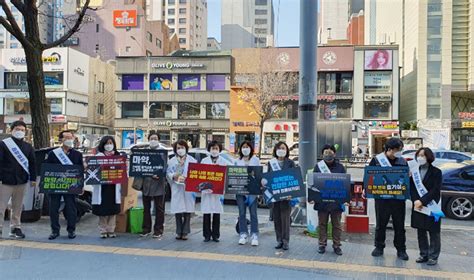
x=71 y=31
x=19 y=5
x=13 y=27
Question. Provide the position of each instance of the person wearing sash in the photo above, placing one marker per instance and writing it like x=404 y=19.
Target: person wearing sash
x=17 y=172
x=390 y=208
x=211 y=204
x=247 y=158
x=329 y=164
x=182 y=202
x=65 y=155
x=106 y=198
x=153 y=190
x=281 y=209
x=431 y=179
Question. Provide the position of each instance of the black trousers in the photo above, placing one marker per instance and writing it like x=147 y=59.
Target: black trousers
x=70 y=211
x=384 y=209
x=159 y=214
x=431 y=249
x=282 y=221
x=211 y=231
x=183 y=223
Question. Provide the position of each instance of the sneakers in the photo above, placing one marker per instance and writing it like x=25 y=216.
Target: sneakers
x=377 y=252
x=103 y=235
x=111 y=235
x=254 y=240
x=16 y=233
x=145 y=234
x=157 y=236
x=243 y=239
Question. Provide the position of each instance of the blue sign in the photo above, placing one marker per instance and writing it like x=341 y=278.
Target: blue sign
x=332 y=187
x=387 y=182
x=283 y=185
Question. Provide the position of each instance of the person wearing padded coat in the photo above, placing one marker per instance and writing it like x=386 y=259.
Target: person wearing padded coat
x=329 y=209
x=432 y=179
x=281 y=209
x=106 y=198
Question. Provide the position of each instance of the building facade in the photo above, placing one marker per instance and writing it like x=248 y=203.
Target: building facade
x=189 y=99
x=247 y=24
x=213 y=44
x=334 y=20
x=355 y=30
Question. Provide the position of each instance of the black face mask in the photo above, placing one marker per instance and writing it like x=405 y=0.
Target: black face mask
x=329 y=158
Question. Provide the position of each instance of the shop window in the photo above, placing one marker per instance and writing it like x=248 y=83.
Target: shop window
x=334 y=110
x=21 y=107
x=271 y=139
x=377 y=110
x=189 y=110
x=189 y=82
x=56 y=106
x=217 y=110
x=160 y=110
x=378 y=82
x=132 y=82
x=335 y=83
x=161 y=82
x=215 y=82
x=132 y=110
x=17 y=80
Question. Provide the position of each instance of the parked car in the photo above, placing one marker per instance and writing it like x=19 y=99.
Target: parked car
x=458 y=190
x=443 y=156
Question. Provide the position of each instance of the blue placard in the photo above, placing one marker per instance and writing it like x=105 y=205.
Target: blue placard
x=283 y=185
x=332 y=187
x=387 y=182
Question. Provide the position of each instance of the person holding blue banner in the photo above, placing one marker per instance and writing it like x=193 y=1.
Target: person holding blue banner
x=426 y=189
x=329 y=164
x=394 y=208
x=281 y=209
x=65 y=155
x=247 y=158
x=17 y=170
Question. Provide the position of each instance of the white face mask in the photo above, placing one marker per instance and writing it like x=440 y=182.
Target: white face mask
x=246 y=151
x=181 y=152
x=214 y=153
x=68 y=143
x=421 y=160
x=398 y=154
x=109 y=147
x=281 y=153
x=154 y=143
x=18 y=134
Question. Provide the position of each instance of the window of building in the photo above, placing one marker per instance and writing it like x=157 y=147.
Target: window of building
x=189 y=82
x=56 y=106
x=14 y=45
x=182 y=40
x=20 y=106
x=132 y=110
x=148 y=53
x=261 y=2
x=261 y=12
x=338 y=109
x=171 y=21
x=128 y=49
x=182 y=2
x=377 y=110
x=182 y=20
x=171 y=31
x=171 y=2
x=271 y=139
x=158 y=43
x=182 y=31
x=96 y=48
x=149 y=37
x=100 y=109
x=215 y=82
x=182 y=11
x=161 y=82
x=217 y=110
x=334 y=82
x=261 y=21
x=132 y=82
x=160 y=110
x=261 y=31
x=17 y=80
x=171 y=12
x=97 y=28
x=100 y=87
x=378 y=82
x=189 y=110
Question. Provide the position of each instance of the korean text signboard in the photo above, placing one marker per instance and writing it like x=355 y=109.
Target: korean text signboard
x=283 y=185
x=387 y=182
x=206 y=177
x=125 y=18
x=61 y=179
x=244 y=180
x=332 y=187
x=106 y=170
x=147 y=163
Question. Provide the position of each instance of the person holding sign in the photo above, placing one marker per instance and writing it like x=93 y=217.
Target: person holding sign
x=17 y=170
x=65 y=155
x=182 y=202
x=394 y=208
x=329 y=164
x=247 y=158
x=281 y=209
x=211 y=204
x=426 y=195
x=106 y=198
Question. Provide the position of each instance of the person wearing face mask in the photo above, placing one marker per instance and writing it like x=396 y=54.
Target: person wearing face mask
x=247 y=158
x=211 y=204
x=17 y=171
x=329 y=209
x=390 y=208
x=106 y=198
x=182 y=202
x=281 y=209
x=153 y=190
x=65 y=155
x=431 y=178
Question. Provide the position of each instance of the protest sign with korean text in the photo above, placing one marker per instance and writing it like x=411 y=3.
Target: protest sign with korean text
x=387 y=183
x=332 y=187
x=61 y=179
x=283 y=185
x=147 y=163
x=103 y=170
x=244 y=180
x=206 y=177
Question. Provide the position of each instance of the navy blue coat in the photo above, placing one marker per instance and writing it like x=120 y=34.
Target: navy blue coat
x=73 y=155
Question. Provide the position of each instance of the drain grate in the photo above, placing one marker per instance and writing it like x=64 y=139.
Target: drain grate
x=9 y=253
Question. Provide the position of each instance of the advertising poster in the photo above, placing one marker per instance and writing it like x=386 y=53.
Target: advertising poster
x=332 y=187
x=387 y=183
x=102 y=170
x=283 y=185
x=161 y=82
x=244 y=180
x=61 y=179
x=206 y=177
x=147 y=163
x=189 y=82
x=357 y=204
x=378 y=60
x=128 y=138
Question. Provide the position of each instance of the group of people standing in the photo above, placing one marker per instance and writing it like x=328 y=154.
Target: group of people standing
x=17 y=172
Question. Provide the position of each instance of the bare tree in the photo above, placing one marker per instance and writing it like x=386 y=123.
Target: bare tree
x=33 y=47
x=267 y=94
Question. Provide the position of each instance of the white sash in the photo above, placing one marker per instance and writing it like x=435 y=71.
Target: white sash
x=274 y=164
x=17 y=154
x=383 y=160
x=323 y=167
x=433 y=208
x=62 y=157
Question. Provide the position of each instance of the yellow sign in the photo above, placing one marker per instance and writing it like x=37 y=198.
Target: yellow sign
x=468 y=124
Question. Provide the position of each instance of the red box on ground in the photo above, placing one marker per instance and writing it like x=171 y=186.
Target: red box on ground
x=357 y=224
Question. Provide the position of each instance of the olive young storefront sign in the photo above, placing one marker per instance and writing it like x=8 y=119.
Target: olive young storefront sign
x=175 y=124
x=171 y=65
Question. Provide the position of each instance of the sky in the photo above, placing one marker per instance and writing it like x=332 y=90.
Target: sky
x=286 y=24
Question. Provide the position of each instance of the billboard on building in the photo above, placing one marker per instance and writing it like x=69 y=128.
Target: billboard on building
x=125 y=18
x=378 y=59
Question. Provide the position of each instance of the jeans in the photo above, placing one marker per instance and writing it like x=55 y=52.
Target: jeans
x=243 y=228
